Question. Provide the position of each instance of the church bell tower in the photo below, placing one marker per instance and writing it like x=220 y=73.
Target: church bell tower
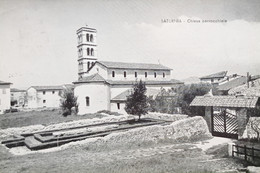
x=87 y=49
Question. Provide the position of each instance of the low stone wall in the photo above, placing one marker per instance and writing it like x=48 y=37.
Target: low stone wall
x=249 y=133
x=179 y=131
x=167 y=117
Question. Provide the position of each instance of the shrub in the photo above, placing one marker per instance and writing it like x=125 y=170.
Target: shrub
x=68 y=102
x=137 y=102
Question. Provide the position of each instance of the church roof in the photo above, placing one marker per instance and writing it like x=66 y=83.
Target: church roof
x=92 y=78
x=221 y=74
x=148 y=82
x=123 y=65
x=225 y=101
x=123 y=96
x=4 y=83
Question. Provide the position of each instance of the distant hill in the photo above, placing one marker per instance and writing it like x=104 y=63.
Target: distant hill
x=191 y=80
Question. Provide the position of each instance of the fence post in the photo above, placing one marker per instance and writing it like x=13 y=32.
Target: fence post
x=245 y=153
x=253 y=154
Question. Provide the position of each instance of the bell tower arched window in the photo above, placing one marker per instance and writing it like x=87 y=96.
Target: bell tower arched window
x=92 y=52
x=154 y=74
x=91 y=38
x=163 y=75
x=87 y=37
x=135 y=74
x=124 y=73
x=88 y=51
x=145 y=74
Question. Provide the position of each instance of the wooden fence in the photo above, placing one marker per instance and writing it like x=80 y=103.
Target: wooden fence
x=249 y=154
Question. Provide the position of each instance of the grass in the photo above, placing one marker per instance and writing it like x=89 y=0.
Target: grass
x=45 y=117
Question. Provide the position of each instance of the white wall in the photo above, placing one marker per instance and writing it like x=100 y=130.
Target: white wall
x=114 y=108
x=32 y=98
x=5 y=98
x=98 y=93
x=36 y=98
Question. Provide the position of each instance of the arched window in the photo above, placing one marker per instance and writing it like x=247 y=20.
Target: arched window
x=135 y=74
x=88 y=52
x=145 y=74
x=87 y=37
x=87 y=101
x=163 y=75
x=118 y=106
x=91 y=37
x=92 y=52
x=88 y=65
x=154 y=74
x=113 y=73
x=124 y=73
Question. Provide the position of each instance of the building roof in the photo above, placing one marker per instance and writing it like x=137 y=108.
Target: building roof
x=225 y=101
x=123 y=65
x=221 y=74
x=232 y=84
x=5 y=83
x=148 y=82
x=253 y=90
x=42 y=88
x=17 y=90
x=123 y=96
x=92 y=78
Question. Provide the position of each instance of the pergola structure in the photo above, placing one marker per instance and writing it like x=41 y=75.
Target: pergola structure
x=226 y=116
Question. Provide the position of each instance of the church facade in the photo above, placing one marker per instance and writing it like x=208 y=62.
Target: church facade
x=104 y=85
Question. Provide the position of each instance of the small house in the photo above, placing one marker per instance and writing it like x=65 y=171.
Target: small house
x=5 y=99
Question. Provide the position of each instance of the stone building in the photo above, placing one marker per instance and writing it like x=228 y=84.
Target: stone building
x=5 y=98
x=103 y=85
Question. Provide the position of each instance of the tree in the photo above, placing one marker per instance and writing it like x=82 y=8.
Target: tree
x=68 y=101
x=137 y=101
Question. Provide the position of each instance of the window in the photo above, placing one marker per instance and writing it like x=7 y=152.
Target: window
x=4 y=91
x=88 y=51
x=53 y=92
x=145 y=74
x=118 y=106
x=113 y=73
x=124 y=73
x=92 y=52
x=43 y=92
x=135 y=74
x=163 y=75
x=44 y=101
x=91 y=38
x=154 y=74
x=87 y=101
x=87 y=37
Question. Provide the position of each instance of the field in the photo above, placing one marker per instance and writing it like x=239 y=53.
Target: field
x=44 y=117
x=196 y=155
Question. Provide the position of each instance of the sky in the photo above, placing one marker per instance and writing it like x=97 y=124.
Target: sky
x=38 y=41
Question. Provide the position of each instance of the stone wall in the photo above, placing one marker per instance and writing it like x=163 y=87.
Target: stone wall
x=249 y=133
x=242 y=120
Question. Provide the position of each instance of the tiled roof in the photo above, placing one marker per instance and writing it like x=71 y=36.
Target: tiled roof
x=17 y=90
x=122 y=96
x=4 y=83
x=232 y=84
x=123 y=65
x=225 y=101
x=40 y=88
x=253 y=90
x=92 y=78
x=215 y=75
x=169 y=82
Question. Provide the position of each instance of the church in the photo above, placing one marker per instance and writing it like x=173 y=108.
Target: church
x=105 y=85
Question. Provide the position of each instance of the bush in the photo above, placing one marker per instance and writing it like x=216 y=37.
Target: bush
x=137 y=102
x=68 y=102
